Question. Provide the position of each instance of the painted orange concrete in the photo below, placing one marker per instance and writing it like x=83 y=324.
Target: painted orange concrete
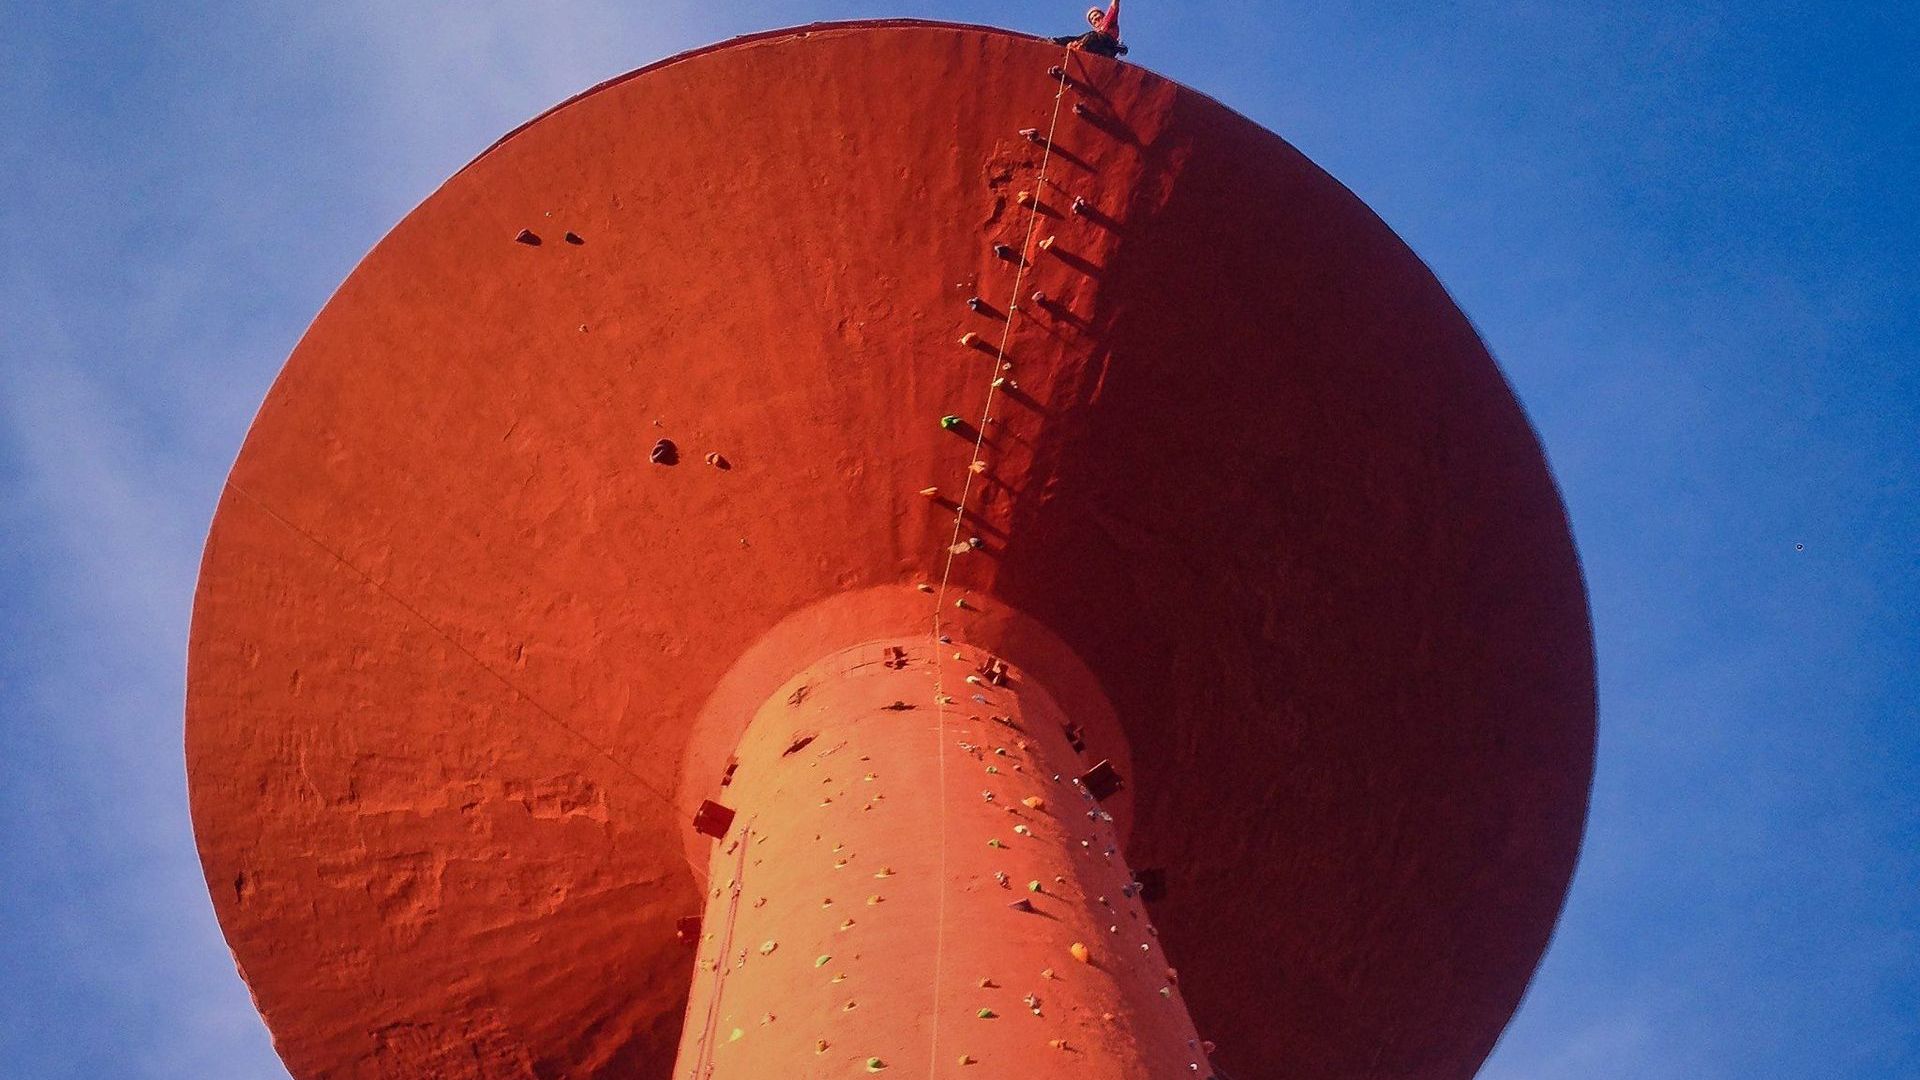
x=905 y=882
x=460 y=641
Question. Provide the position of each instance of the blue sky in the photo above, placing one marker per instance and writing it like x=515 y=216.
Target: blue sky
x=1688 y=232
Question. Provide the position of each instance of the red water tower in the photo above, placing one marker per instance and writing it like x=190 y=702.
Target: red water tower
x=889 y=548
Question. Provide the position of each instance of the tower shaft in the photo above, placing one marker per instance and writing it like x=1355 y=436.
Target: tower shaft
x=916 y=882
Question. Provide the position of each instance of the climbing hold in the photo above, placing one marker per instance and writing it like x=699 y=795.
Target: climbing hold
x=1151 y=884
x=712 y=819
x=1039 y=298
x=1022 y=830
x=736 y=1036
x=931 y=492
x=987 y=1014
x=848 y=925
x=1003 y=251
x=528 y=238
x=664 y=453
x=967 y=1059
x=976 y=465
x=960 y=548
x=949 y=422
x=1080 y=205
x=1101 y=781
x=874 y=1064
x=819 y=1046
x=1033 y=802
x=1057 y=1044
x=1033 y=886
x=875 y=899
x=821 y=960
x=975 y=542
x=1046 y=973
x=961 y=603
x=1080 y=952
x=1057 y=72
x=1025 y=198
x=969 y=339
x=718 y=462
x=1079 y=108
x=1030 y=134
x=573 y=238
x=885 y=871
x=995 y=843
x=767 y=947
x=925 y=586
x=974 y=303
x=1047 y=244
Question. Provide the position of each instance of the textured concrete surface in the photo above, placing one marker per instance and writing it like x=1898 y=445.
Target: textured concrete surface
x=457 y=631
x=909 y=887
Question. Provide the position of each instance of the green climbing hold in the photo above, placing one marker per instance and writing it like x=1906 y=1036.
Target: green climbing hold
x=875 y=1065
x=821 y=960
x=949 y=422
x=995 y=843
x=986 y=1014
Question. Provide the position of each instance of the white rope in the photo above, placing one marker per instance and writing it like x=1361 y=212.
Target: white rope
x=946 y=573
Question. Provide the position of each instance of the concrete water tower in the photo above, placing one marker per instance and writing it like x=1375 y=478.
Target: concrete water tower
x=889 y=548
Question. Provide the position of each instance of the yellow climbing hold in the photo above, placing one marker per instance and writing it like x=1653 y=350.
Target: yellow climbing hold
x=1080 y=952
x=1033 y=802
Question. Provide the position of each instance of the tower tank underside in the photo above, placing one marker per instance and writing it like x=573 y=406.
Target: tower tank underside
x=637 y=420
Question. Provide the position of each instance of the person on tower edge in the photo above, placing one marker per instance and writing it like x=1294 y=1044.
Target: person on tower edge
x=1104 y=38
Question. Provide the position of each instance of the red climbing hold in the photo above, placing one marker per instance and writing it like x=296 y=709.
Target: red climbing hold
x=712 y=819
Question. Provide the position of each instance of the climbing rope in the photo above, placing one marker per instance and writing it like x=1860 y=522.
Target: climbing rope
x=703 y=1054
x=974 y=466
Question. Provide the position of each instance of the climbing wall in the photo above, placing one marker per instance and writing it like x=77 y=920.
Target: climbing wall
x=924 y=891
x=797 y=342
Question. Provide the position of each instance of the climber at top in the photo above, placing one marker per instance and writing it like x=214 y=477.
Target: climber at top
x=1104 y=38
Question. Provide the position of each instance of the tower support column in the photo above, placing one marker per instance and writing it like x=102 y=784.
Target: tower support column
x=916 y=881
